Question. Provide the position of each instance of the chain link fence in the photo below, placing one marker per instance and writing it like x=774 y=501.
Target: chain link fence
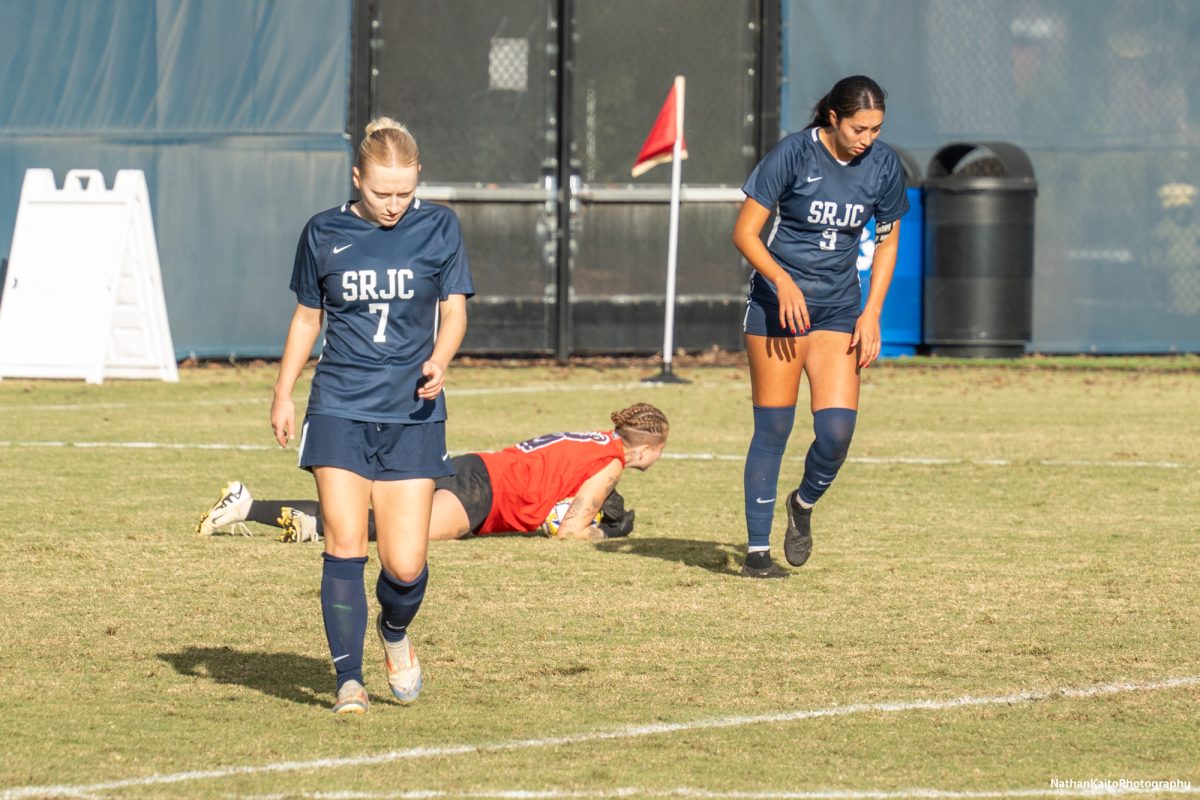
x=628 y=52
x=1102 y=94
x=478 y=80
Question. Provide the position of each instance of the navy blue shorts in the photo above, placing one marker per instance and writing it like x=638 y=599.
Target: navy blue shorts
x=378 y=451
x=762 y=318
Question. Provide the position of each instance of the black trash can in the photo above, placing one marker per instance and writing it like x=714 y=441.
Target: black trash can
x=979 y=212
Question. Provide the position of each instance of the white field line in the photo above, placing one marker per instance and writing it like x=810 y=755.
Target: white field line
x=626 y=732
x=918 y=460
x=877 y=460
x=136 y=445
x=1117 y=790
x=264 y=400
x=568 y=387
x=1061 y=462
x=450 y=393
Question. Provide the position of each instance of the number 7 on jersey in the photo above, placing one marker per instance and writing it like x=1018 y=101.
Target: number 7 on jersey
x=382 y=310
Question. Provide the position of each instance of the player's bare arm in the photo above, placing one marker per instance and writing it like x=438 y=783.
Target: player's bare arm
x=747 y=238
x=867 y=333
x=578 y=521
x=452 y=328
x=302 y=334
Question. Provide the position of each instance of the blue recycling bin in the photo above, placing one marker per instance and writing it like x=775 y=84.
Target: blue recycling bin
x=901 y=321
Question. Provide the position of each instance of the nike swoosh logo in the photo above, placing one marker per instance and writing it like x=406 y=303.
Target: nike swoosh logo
x=806 y=180
x=446 y=456
x=823 y=483
x=768 y=500
x=339 y=658
x=337 y=250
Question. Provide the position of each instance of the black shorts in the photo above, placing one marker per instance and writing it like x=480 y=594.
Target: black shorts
x=472 y=485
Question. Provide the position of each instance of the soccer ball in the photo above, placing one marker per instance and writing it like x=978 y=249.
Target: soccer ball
x=555 y=517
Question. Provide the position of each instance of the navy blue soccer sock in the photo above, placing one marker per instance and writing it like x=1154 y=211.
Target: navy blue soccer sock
x=772 y=426
x=834 y=428
x=344 y=608
x=399 y=602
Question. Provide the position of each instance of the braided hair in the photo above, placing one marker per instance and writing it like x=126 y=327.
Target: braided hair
x=641 y=423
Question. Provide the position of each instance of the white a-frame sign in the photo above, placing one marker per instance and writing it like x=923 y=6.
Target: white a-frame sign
x=83 y=293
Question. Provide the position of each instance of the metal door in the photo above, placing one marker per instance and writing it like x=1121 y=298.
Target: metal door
x=529 y=114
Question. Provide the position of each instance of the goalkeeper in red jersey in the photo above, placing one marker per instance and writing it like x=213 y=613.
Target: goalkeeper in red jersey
x=507 y=491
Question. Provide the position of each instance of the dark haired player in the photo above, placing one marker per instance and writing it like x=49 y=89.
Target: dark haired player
x=803 y=311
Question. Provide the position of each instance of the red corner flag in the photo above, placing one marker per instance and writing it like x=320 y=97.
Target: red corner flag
x=660 y=144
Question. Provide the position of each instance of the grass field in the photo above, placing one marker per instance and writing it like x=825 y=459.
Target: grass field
x=1002 y=601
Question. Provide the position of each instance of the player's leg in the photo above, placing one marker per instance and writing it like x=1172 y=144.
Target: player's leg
x=462 y=501
x=299 y=519
x=832 y=369
x=268 y=512
x=410 y=459
x=344 y=497
x=402 y=514
x=448 y=519
x=775 y=367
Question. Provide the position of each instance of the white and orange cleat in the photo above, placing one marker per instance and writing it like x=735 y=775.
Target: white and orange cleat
x=403 y=669
x=351 y=699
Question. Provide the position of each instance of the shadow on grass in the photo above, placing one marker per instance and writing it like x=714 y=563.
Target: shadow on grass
x=722 y=559
x=299 y=679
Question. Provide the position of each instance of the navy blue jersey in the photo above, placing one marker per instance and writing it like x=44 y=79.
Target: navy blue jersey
x=821 y=206
x=379 y=288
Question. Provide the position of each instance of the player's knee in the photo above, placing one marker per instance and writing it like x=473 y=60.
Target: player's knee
x=773 y=426
x=404 y=569
x=837 y=447
x=834 y=428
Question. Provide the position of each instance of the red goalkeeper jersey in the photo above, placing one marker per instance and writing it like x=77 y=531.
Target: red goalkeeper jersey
x=530 y=477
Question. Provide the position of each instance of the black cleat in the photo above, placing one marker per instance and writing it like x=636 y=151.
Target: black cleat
x=797 y=542
x=760 y=565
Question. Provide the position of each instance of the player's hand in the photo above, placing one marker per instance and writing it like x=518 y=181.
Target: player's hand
x=435 y=380
x=793 y=311
x=283 y=419
x=867 y=338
